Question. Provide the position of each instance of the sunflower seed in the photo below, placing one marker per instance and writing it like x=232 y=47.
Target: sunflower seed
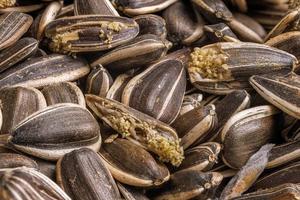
x=163 y=102
x=12 y=26
x=245 y=132
x=41 y=71
x=133 y=165
x=139 y=52
x=281 y=91
x=27 y=183
x=116 y=90
x=152 y=24
x=82 y=170
x=13 y=160
x=17 y=103
x=55 y=131
x=94 y=7
x=19 y=51
x=64 y=92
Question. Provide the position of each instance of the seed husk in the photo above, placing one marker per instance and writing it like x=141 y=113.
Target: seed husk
x=281 y=91
x=47 y=16
x=66 y=11
x=55 y=131
x=64 y=92
x=116 y=90
x=88 y=33
x=189 y=184
x=140 y=52
x=13 y=160
x=283 y=154
x=235 y=102
x=154 y=135
x=27 y=183
x=202 y=157
x=130 y=193
x=13 y=25
x=152 y=24
x=245 y=132
x=183 y=25
x=94 y=7
x=249 y=173
x=19 y=51
x=220 y=33
x=285 y=174
x=190 y=102
x=140 y=7
x=286 y=23
x=251 y=23
x=1 y=117
x=193 y=131
x=99 y=81
x=131 y=164
x=288 y=42
x=214 y=11
x=17 y=103
x=164 y=102
x=286 y=191
x=82 y=170
x=45 y=70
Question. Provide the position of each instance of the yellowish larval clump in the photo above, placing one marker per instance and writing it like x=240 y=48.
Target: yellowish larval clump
x=61 y=42
x=209 y=63
x=7 y=3
x=168 y=150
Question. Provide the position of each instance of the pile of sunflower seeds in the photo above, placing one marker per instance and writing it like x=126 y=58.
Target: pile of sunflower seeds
x=149 y=99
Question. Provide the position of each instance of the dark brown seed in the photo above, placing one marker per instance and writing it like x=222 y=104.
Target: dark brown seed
x=19 y=51
x=281 y=91
x=131 y=193
x=83 y=176
x=193 y=131
x=17 y=103
x=94 y=7
x=13 y=160
x=288 y=42
x=283 y=154
x=202 y=157
x=183 y=25
x=41 y=71
x=99 y=81
x=152 y=24
x=12 y=26
x=245 y=132
x=220 y=33
x=244 y=179
x=55 y=131
x=286 y=191
x=189 y=184
x=27 y=183
x=64 y=92
x=133 y=165
x=163 y=103
x=139 y=7
x=116 y=90
x=285 y=174
x=214 y=11
x=139 y=52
